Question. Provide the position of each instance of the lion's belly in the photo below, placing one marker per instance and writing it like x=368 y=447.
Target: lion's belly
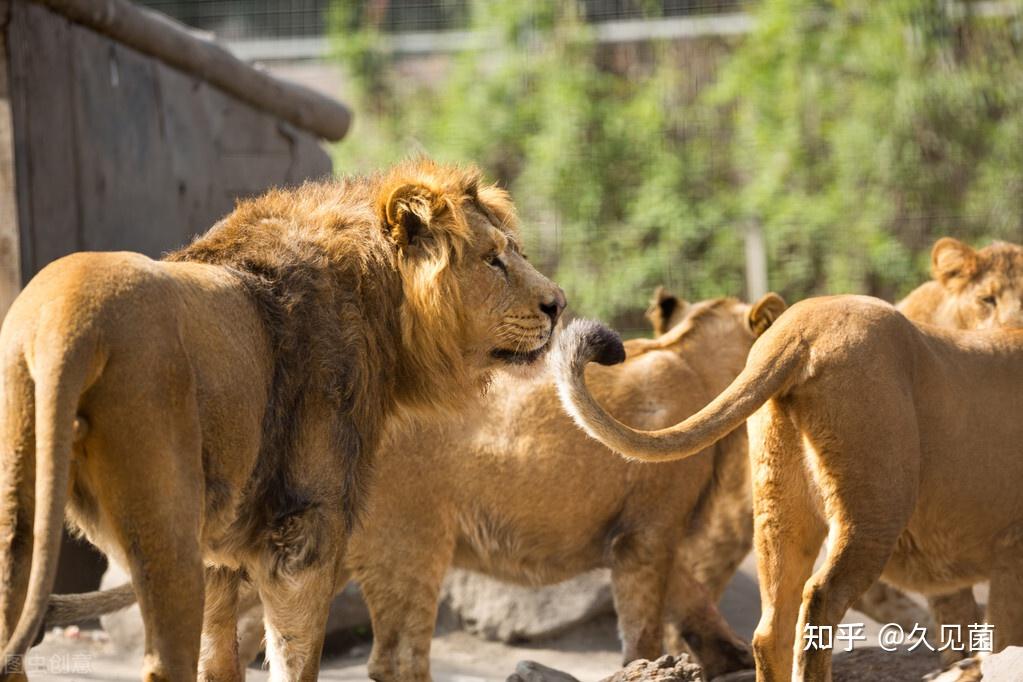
x=947 y=544
x=936 y=562
x=527 y=559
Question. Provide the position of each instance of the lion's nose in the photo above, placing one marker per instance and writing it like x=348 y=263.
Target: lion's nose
x=553 y=304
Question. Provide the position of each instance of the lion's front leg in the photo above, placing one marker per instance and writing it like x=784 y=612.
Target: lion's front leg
x=295 y=614
x=696 y=619
x=296 y=580
x=218 y=656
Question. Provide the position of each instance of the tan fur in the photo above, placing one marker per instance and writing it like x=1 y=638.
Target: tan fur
x=665 y=311
x=513 y=491
x=971 y=289
x=898 y=443
x=228 y=399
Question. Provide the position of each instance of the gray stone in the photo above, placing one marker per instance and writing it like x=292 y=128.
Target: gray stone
x=531 y=671
x=1005 y=666
x=501 y=611
x=870 y=664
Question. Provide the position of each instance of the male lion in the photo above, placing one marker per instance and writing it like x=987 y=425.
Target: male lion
x=898 y=443
x=219 y=407
x=507 y=463
x=512 y=490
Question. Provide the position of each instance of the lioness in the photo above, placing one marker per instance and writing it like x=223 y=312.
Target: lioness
x=514 y=491
x=219 y=407
x=970 y=289
x=898 y=443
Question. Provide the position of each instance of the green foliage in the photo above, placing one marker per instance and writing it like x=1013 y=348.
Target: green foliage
x=854 y=133
x=866 y=130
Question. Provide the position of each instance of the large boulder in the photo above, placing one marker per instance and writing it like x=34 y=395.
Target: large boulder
x=510 y=613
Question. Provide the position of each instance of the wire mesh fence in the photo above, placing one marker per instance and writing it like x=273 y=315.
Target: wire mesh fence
x=693 y=143
x=284 y=19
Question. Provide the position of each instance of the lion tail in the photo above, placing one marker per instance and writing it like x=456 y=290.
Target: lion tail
x=68 y=609
x=765 y=375
x=59 y=375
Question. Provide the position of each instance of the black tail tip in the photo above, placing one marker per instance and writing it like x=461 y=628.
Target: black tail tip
x=601 y=344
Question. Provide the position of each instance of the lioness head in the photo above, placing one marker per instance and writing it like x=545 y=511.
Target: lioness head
x=984 y=288
x=471 y=299
x=667 y=311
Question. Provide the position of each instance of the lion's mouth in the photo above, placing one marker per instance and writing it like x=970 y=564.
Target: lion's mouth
x=522 y=357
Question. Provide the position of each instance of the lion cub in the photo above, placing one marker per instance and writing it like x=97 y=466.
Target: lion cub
x=514 y=491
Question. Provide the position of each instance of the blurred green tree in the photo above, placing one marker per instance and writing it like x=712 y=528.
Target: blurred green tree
x=863 y=131
x=854 y=133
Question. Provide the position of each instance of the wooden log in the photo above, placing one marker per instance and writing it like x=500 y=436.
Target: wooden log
x=43 y=73
x=159 y=36
x=10 y=253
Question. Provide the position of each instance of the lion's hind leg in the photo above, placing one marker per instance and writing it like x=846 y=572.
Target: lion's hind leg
x=142 y=462
x=788 y=532
x=159 y=540
x=867 y=480
x=17 y=491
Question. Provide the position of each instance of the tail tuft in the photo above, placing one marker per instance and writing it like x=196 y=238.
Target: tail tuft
x=586 y=341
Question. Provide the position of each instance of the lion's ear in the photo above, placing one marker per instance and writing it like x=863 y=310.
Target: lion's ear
x=407 y=212
x=953 y=261
x=764 y=312
x=662 y=306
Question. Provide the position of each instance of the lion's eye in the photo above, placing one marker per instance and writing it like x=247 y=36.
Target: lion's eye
x=989 y=300
x=494 y=261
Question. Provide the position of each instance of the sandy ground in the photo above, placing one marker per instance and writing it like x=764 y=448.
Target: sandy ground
x=590 y=653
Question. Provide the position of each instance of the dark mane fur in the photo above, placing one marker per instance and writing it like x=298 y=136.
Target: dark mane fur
x=323 y=273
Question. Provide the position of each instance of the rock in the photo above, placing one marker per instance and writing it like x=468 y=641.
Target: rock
x=870 y=664
x=1005 y=666
x=531 y=671
x=679 y=668
x=510 y=613
x=741 y=676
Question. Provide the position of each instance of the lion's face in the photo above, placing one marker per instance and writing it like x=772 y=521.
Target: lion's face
x=467 y=284
x=516 y=308
x=984 y=288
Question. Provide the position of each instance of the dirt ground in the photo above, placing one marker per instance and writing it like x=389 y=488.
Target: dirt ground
x=589 y=653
